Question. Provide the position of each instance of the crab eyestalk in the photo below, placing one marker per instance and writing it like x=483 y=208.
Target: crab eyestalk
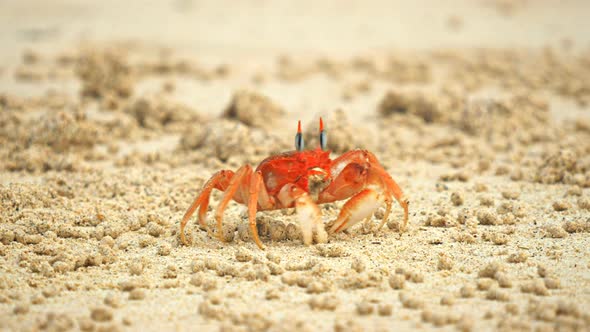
x=323 y=136
x=299 y=143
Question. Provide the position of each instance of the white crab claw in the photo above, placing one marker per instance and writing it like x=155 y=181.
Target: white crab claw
x=361 y=206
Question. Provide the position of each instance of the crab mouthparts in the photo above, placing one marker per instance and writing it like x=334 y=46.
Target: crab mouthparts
x=317 y=181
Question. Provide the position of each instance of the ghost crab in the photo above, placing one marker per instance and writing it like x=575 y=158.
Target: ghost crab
x=304 y=179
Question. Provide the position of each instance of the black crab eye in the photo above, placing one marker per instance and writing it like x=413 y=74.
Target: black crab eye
x=299 y=143
x=323 y=136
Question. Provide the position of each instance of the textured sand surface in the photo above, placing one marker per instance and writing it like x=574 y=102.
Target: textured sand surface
x=112 y=117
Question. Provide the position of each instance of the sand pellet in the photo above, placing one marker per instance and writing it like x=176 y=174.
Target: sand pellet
x=358 y=264
x=397 y=281
x=444 y=262
x=561 y=206
x=503 y=279
x=584 y=203
x=293 y=232
x=498 y=294
x=278 y=230
x=384 y=309
x=510 y=194
x=490 y=270
x=467 y=291
x=135 y=268
x=447 y=300
x=154 y=229
x=536 y=287
x=243 y=255
x=487 y=218
x=518 y=257
x=324 y=302
x=485 y=283
x=552 y=283
x=137 y=294
x=21 y=309
x=273 y=257
x=101 y=314
x=364 y=308
x=272 y=294
x=410 y=301
x=330 y=250
x=164 y=249
x=457 y=198
x=555 y=231
x=275 y=269
x=113 y=300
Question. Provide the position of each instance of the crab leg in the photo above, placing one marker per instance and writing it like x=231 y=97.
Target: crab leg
x=394 y=190
x=308 y=213
x=359 y=207
x=219 y=181
x=386 y=215
x=255 y=186
x=241 y=174
x=202 y=216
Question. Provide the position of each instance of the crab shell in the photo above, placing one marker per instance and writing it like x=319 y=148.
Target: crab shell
x=308 y=170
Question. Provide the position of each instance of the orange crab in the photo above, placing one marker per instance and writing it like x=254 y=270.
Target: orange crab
x=304 y=179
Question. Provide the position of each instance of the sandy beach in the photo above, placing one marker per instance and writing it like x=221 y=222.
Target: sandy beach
x=113 y=115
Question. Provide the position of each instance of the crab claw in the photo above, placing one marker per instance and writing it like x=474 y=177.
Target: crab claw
x=308 y=213
x=361 y=206
x=310 y=219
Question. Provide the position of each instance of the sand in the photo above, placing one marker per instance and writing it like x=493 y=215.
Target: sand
x=110 y=124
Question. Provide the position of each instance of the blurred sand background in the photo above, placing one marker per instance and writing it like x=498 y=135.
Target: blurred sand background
x=113 y=114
